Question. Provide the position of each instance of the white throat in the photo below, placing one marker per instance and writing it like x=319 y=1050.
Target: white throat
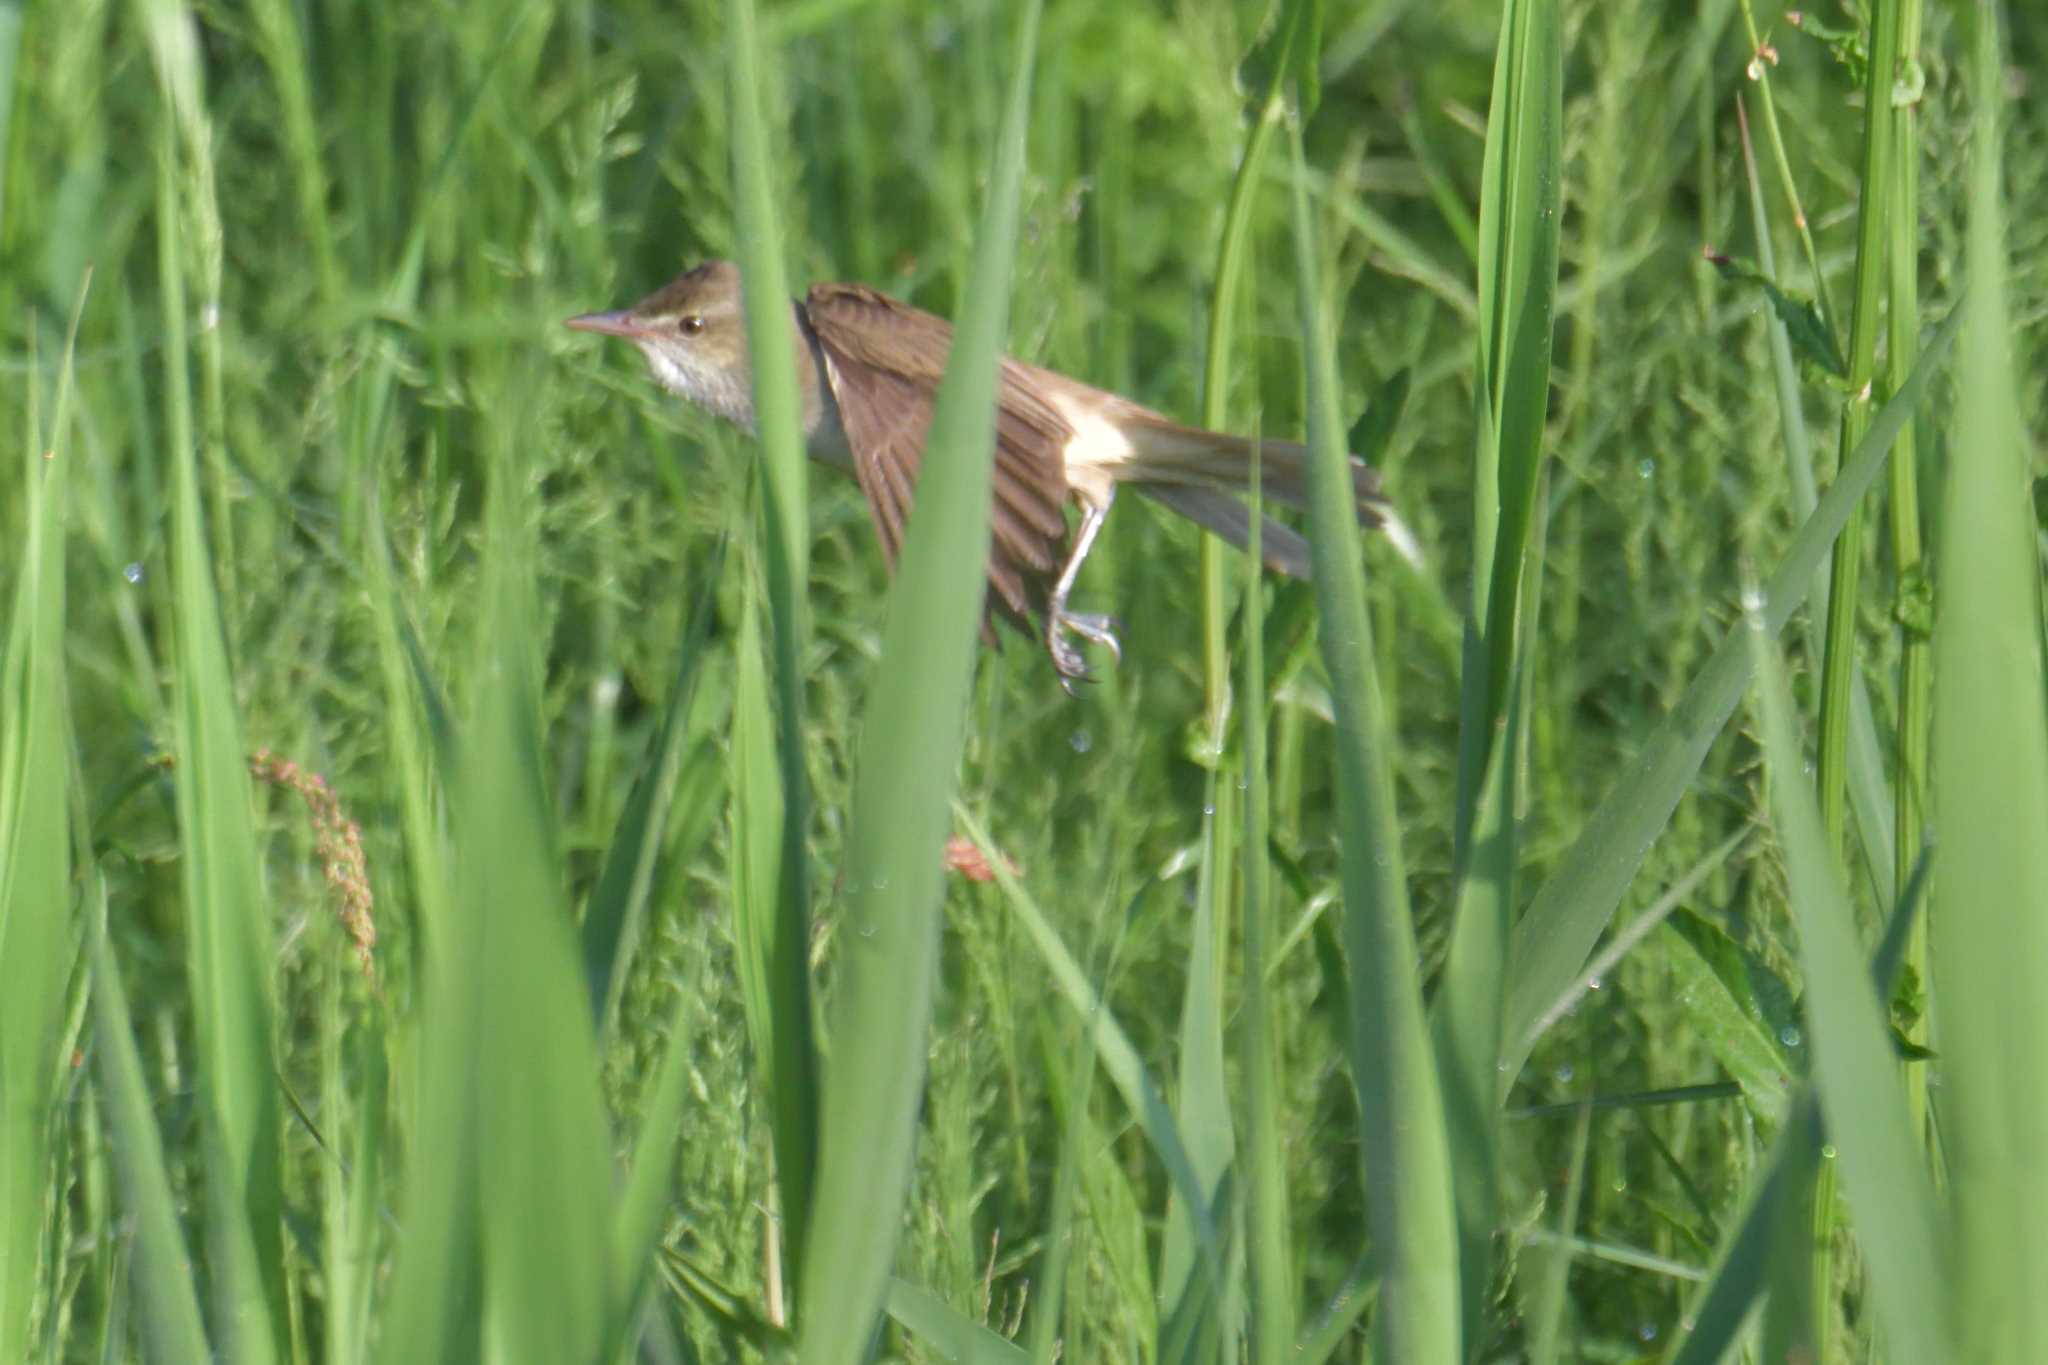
x=706 y=387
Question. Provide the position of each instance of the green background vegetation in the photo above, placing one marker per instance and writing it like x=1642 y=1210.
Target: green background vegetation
x=1241 y=1054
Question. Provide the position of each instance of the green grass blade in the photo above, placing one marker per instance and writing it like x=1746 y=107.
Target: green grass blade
x=1406 y=1151
x=1869 y=797
x=1194 y=1331
x=164 y=1286
x=947 y=1332
x=765 y=959
x=1465 y=1021
x=618 y=907
x=1546 y=1284
x=228 y=931
x=1518 y=213
x=38 y=935
x=1625 y=942
x=1991 y=793
x=513 y=1122
x=414 y=716
x=1741 y=1272
x=1321 y=1338
x=1517 y=267
x=910 y=748
x=1767 y=1247
x=1568 y=914
x=1902 y=324
x=1202 y=1112
x=355 y=1096
x=1269 y=1256
x=1288 y=53
x=434 y=1309
x=543 y=1151
x=285 y=53
x=1862 y=1102
x=1884 y=166
x=10 y=55
x=644 y=1203
x=1798 y=1317
x=793 y=1077
x=1289 y=50
x=736 y=1318
x=541 y=1145
x=1073 y=1063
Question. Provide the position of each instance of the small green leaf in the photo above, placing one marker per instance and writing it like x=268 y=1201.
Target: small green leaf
x=1910 y=1051
x=1715 y=986
x=1850 y=46
x=1813 y=341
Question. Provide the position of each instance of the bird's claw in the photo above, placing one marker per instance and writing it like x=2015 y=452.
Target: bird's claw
x=1066 y=658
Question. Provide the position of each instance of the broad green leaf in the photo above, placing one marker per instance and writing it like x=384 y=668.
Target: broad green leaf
x=1518 y=215
x=1991 y=794
x=228 y=942
x=1891 y=1199
x=1405 y=1149
x=38 y=933
x=1713 y=980
x=164 y=1284
x=909 y=751
x=785 y=559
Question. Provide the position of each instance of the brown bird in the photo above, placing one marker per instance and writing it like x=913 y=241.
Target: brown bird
x=868 y=369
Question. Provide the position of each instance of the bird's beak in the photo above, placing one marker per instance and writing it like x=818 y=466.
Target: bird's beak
x=619 y=323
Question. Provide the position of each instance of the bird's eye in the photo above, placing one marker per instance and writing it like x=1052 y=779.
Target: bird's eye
x=691 y=325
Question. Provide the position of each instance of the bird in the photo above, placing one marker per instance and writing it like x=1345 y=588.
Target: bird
x=868 y=369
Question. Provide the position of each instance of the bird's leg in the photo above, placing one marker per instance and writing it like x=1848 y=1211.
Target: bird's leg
x=1058 y=620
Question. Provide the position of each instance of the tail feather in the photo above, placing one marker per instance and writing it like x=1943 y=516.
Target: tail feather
x=1281 y=548
x=1186 y=468
x=1171 y=453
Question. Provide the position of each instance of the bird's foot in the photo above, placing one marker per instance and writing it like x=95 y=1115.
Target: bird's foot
x=1066 y=658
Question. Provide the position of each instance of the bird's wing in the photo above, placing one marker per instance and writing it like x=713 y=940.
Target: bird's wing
x=885 y=406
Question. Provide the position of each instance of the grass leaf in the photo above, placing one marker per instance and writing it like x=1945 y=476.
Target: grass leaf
x=1406 y=1151
x=38 y=942
x=1863 y=1104
x=228 y=934
x=1991 y=793
x=618 y=907
x=910 y=748
x=1568 y=914
x=953 y=1336
x=164 y=1284
x=791 y=1063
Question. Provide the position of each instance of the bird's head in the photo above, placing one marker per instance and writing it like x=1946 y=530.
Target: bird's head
x=693 y=331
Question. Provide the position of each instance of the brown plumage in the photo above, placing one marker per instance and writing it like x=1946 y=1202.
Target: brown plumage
x=868 y=370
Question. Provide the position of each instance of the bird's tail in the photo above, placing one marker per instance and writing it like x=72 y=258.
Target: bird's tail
x=1201 y=473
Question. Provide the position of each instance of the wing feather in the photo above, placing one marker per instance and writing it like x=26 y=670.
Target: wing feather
x=885 y=406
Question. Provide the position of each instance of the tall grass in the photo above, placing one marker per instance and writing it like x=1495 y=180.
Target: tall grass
x=1988 y=710
x=1473 y=964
